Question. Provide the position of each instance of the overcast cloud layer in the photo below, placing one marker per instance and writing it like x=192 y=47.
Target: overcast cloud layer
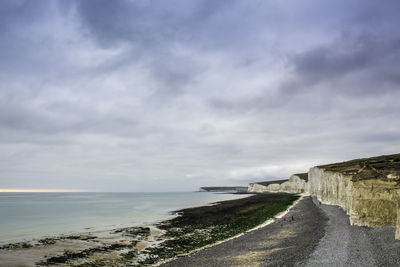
x=171 y=95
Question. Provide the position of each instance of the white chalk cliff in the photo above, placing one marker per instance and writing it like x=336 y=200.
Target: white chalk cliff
x=367 y=189
x=370 y=202
x=294 y=185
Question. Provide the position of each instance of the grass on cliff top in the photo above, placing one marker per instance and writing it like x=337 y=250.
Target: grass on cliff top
x=267 y=183
x=303 y=176
x=368 y=168
x=198 y=227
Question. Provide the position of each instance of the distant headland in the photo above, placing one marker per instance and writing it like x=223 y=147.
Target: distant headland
x=225 y=189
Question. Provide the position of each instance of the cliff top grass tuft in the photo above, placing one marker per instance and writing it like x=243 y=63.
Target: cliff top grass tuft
x=385 y=167
x=267 y=183
x=303 y=176
x=224 y=188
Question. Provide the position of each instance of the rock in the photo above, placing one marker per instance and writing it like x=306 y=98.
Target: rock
x=367 y=189
x=368 y=195
x=294 y=185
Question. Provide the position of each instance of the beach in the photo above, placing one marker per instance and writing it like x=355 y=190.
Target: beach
x=259 y=230
x=285 y=242
x=189 y=229
x=26 y=216
x=310 y=234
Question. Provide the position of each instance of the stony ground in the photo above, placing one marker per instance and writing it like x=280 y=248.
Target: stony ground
x=346 y=245
x=143 y=246
x=287 y=241
x=311 y=234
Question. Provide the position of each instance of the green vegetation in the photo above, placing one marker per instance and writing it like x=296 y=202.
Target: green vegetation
x=303 y=176
x=68 y=255
x=19 y=245
x=45 y=241
x=267 y=183
x=195 y=228
x=237 y=189
x=202 y=226
x=369 y=168
x=137 y=232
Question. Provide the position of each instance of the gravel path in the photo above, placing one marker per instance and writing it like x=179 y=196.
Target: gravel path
x=319 y=235
x=343 y=244
x=285 y=242
x=346 y=245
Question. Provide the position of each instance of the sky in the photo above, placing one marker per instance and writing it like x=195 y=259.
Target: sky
x=171 y=95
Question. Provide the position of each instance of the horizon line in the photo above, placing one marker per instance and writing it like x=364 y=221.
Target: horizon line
x=33 y=190
x=40 y=190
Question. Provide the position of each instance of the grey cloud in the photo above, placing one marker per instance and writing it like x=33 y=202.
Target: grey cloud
x=364 y=57
x=379 y=137
x=146 y=23
x=356 y=66
x=137 y=95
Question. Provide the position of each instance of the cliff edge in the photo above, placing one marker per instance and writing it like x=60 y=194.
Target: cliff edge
x=295 y=184
x=368 y=189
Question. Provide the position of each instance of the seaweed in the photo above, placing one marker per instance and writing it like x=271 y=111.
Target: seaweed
x=194 y=228
x=137 y=232
x=19 y=245
x=69 y=255
x=203 y=226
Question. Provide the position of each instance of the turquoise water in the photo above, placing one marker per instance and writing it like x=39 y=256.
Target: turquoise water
x=24 y=216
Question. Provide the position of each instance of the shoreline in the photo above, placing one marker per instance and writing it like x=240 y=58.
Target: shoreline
x=267 y=222
x=287 y=241
x=311 y=234
x=204 y=227
x=125 y=245
x=25 y=230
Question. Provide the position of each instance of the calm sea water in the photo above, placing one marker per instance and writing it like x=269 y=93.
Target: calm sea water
x=24 y=216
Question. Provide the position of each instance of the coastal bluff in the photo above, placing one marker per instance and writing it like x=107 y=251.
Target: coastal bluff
x=367 y=189
x=224 y=189
x=295 y=184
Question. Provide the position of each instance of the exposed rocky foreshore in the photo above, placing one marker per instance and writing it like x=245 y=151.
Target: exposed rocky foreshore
x=363 y=192
x=138 y=246
x=311 y=234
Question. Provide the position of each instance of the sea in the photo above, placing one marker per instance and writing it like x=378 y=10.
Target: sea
x=27 y=216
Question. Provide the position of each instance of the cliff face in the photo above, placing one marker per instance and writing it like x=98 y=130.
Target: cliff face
x=294 y=185
x=257 y=188
x=367 y=189
x=368 y=202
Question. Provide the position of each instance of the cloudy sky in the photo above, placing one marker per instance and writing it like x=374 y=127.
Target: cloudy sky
x=171 y=95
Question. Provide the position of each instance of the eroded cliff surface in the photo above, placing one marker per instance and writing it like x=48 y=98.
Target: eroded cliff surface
x=295 y=184
x=367 y=189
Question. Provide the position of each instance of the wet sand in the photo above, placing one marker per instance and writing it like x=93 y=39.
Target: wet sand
x=310 y=234
x=133 y=246
x=99 y=248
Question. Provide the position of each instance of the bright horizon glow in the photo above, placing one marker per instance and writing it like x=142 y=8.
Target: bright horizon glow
x=13 y=190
